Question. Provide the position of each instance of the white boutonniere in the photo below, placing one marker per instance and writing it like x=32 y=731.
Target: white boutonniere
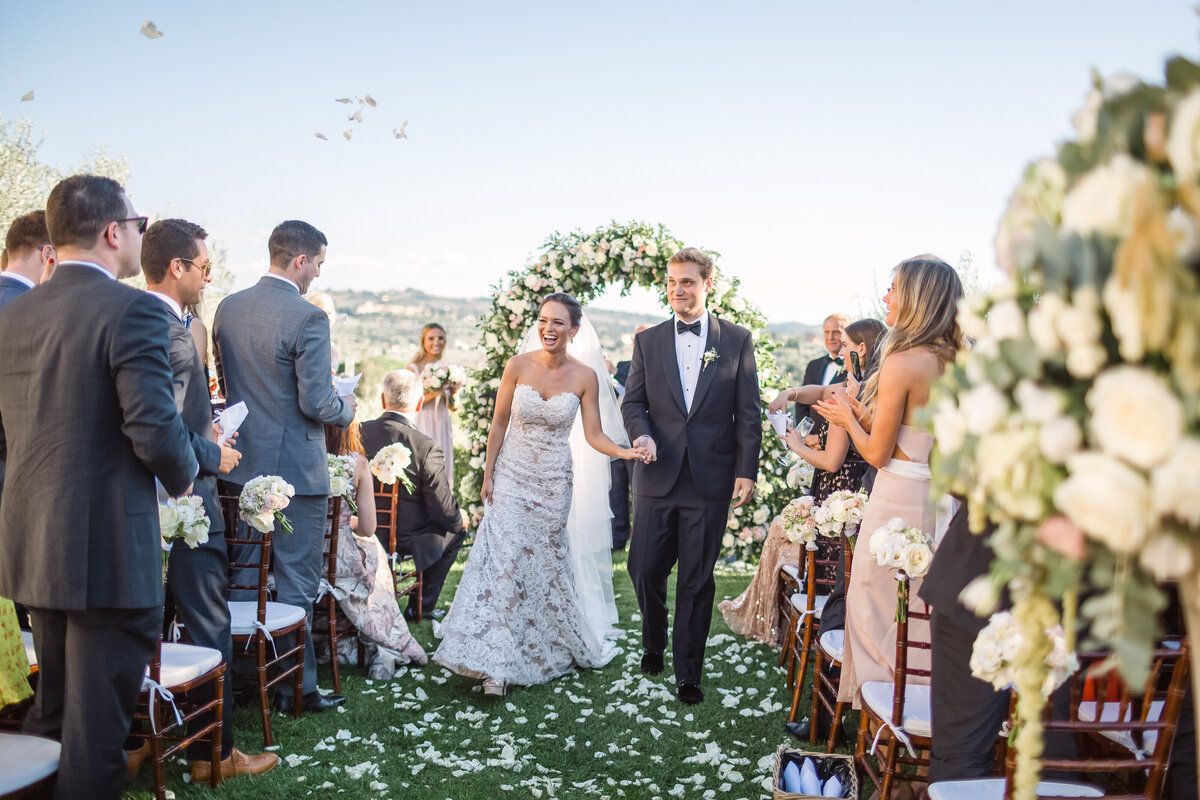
x=710 y=356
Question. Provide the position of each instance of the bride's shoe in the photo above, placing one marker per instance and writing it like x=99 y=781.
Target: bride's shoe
x=493 y=687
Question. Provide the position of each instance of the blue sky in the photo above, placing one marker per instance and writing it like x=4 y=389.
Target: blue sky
x=812 y=144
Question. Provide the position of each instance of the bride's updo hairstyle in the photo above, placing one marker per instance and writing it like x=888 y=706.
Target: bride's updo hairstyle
x=927 y=292
x=574 y=309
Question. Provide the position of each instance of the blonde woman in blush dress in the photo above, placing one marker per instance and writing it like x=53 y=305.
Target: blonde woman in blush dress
x=433 y=419
x=922 y=305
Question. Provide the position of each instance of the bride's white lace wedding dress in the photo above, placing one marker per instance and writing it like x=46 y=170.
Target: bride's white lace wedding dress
x=517 y=615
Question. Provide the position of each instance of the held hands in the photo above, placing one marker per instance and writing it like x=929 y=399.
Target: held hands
x=636 y=453
x=646 y=443
x=743 y=490
x=837 y=410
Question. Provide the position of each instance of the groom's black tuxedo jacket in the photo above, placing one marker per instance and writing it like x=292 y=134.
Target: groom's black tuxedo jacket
x=722 y=435
x=87 y=421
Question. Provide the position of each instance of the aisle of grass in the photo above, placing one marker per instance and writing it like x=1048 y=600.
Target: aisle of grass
x=604 y=733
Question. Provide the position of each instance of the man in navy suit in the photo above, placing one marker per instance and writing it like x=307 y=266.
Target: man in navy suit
x=28 y=255
x=693 y=400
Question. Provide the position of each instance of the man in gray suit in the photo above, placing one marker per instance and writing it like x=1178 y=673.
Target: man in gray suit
x=87 y=422
x=273 y=354
x=177 y=267
x=30 y=255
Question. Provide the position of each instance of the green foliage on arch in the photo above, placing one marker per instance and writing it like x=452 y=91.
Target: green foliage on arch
x=585 y=265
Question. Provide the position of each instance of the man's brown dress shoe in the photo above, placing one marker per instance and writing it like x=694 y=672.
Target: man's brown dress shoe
x=236 y=763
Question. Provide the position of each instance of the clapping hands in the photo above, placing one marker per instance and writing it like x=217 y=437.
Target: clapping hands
x=840 y=409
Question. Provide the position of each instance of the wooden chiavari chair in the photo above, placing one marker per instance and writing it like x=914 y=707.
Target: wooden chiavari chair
x=326 y=609
x=804 y=616
x=261 y=621
x=386 y=499
x=829 y=651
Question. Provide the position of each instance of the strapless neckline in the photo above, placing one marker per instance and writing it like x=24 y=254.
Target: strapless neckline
x=549 y=399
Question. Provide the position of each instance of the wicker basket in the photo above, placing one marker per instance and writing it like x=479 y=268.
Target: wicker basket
x=827 y=764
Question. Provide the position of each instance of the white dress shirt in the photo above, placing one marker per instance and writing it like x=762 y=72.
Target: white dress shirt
x=171 y=304
x=285 y=280
x=831 y=369
x=689 y=355
x=18 y=278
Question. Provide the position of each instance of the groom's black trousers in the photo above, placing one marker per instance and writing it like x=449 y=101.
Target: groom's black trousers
x=682 y=526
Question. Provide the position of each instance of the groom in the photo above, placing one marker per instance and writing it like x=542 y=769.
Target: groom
x=692 y=400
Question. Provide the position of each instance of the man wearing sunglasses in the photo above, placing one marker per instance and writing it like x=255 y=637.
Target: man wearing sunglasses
x=87 y=422
x=177 y=266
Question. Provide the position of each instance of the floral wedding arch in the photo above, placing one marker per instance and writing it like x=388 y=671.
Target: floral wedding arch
x=585 y=265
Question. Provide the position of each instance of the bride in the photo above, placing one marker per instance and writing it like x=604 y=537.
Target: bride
x=535 y=599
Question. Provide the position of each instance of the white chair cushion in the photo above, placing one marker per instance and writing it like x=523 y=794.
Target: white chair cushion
x=1087 y=713
x=182 y=663
x=25 y=760
x=993 y=789
x=793 y=570
x=30 y=654
x=918 y=714
x=834 y=644
x=243 y=615
x=800 y=603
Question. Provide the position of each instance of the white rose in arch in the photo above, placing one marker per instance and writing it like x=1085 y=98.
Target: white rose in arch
x=1135 y=416
x=1124 y=309
x=1059 y=439
x=1043 y=324
x=1102 y=200
x=1109 y=501
x=1085 y=360
x=760 y=516
x=1175 y=485
x=1038 y=403
x=1079 y=323
x=1006 y=320
x=983 y=408
x=1183 y=140
x=1166 y=557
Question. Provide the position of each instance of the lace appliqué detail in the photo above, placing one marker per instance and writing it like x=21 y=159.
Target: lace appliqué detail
x=516 y=615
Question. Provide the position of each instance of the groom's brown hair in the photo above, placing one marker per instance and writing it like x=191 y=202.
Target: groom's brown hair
x=694 y=255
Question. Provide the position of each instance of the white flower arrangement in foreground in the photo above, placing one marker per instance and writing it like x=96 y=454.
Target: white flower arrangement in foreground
x=341 y=478
x=800 y=476
x=263 y=500
x=389 y=464
x=994 y=655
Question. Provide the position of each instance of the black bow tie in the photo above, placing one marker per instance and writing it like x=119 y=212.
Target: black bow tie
x=684 y=327
x=839 y=361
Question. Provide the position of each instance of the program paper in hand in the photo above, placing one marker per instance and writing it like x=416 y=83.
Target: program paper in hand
x=346 y=386
x=230 y=420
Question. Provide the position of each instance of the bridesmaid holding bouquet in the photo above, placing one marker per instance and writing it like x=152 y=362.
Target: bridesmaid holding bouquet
x=433 y=419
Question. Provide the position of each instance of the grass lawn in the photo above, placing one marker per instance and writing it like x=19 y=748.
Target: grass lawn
x=612 y=732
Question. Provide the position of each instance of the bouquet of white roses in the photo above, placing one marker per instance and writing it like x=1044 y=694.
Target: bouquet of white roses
x=389 y=463
x=840 y=514
x=263 y=500
x=798 y=520
x=994 y=655
x=182 y=518
x=438 y=376
x=341 y=478
x=902 y=547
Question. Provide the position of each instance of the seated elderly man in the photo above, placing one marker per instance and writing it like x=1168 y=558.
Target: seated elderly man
x=428 y=522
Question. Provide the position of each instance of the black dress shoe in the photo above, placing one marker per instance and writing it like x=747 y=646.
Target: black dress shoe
x=314 y=702
x=652 y=663
x=690 y=694
x=799 y=730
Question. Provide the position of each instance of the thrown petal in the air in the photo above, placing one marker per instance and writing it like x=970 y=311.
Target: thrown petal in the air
x=27 y=96
x=342 y=100
x=399 y=132
x=370 y=100
x=321 y=136
x=356 y=116
x=150 y=30
x=348 y=134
